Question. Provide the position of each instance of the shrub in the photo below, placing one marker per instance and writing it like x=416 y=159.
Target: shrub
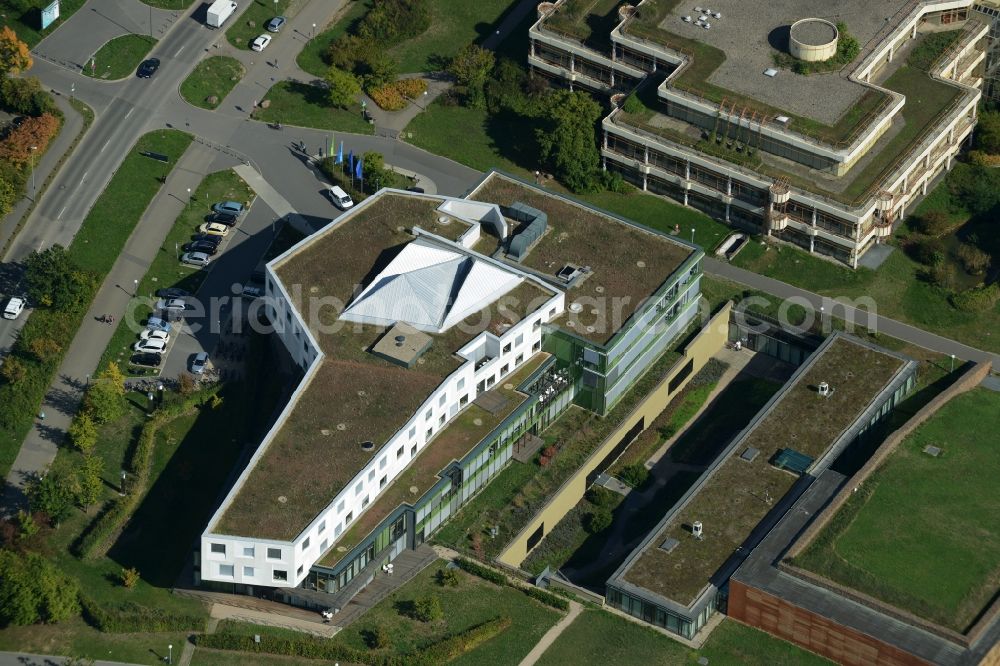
x=33 y=590
x=427 y=608
x=26 y=96
x=130 y=577
x=390 y=22
x=447 y=577
x=612 y=181
x=546 y=598
x=927 y=251
x=378 y=638
x=933 y=223
x=634 y=475
x=632 y=105
x=483 y=572
x=455 y=646
x=977 y=299
x=597 y=520
x=974 y=260
x=396 y=95
x=129 y=617
x=602 y=497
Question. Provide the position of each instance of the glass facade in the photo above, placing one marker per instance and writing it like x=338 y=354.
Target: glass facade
x=655 y=614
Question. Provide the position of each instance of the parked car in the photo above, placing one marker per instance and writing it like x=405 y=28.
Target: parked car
x=148 y=68
x=195 y=259
x=260 y=43
x=199 y=363
x=228 y=219
x=252 y=291
x=146 y=358
x=171 y=304
x=418 y=190
x=151 y=346
x=340 y=198
x=172 y=292
x=149 y=334
x=206 y=238
x=13 y=308
x=202 y=246
x=158 y=324
x=234 y=207
x=274 y=25
x=214 y=229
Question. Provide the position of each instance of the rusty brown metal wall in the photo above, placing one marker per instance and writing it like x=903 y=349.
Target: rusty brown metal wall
x=811 y=631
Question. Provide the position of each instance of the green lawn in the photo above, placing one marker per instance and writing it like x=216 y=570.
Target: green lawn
x=251 y=22
x=117 y=211
x=75 y=638
x=471 y=603
x=624 y=643
x=312 y=56
x=303 y=105
x=888 y=539
x=119 y=57
x=26 y=23
x=213 y=77
x=453 y=26
x=166 y=270
x=206 y=657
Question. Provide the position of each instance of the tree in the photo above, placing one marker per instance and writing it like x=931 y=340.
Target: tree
x=471 y=68
x=103 y=402
x=25 y=95
x=113 y=375
x=988 y=132
x=29 y=139
x=9 y=195
x=33 y=590
x=598 y=520
x=378 y=638
x=89 y=484
x=427 y=608
x=343 y=87
x=15 y=56
x=566 y=138
x=83 y=432
x=53 y=279
x=44 y=349
x=376 y=70
x=13 y=370
x=51 y=495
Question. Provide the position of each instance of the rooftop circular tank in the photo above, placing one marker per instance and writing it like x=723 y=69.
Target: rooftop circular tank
x=813 y=40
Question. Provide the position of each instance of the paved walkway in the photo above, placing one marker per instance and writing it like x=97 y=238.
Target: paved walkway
x=26 y=659
x=860 y=318
x=268 y=619
x=546 y=641
x=72 y=126
x=80 y=363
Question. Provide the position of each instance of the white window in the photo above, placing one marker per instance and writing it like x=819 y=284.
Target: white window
x=248 y=551
x=371 y=475
x=444 y=396
x=519 y=340
x=340 y=507
x=358 y=488
x=323 y=546
x=226 y=570
x=322 y=527
x=274 y=553
x=337 y=530
x=399 y=452
x=413 y=432
x=305 y=544
x=429 y=414
x=219 y=548
x=248 y=572
x=381 y=463
x=348 y=518
x=461 y=384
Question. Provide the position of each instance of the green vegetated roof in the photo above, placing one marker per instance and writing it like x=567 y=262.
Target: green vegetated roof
x=627 y=264
x=921 y=532
x=455 y=441
x=739 y=493
x=354 y=396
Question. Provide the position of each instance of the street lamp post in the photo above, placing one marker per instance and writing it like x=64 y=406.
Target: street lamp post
x=189 y=199
x=314 y=30
x=692 y=234
x=953 y=363
x=170 y=648
x=33 y=149
x=135 y=287
x=121 y=488
x=159 y=387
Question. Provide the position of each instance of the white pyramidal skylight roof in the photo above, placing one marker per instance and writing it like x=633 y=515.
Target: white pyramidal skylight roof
x=430 y=288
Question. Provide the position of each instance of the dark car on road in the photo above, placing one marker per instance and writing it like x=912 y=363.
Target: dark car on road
x=229 y=219
x=202 y=246
x=172 y=292
x=144 y=358
x=148 y=68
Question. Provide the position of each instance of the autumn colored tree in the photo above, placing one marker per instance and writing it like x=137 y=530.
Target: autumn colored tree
x=15 y=56
x=32 y=133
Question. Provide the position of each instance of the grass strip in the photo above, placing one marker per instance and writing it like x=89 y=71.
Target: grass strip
x=119 y=57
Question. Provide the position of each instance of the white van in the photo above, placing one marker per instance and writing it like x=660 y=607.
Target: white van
x=14 y=307
x=341 y=199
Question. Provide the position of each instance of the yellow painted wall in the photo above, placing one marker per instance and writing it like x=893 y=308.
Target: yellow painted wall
x=704 y=346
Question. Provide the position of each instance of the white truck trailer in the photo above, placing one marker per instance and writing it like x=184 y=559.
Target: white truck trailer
x=219 y=12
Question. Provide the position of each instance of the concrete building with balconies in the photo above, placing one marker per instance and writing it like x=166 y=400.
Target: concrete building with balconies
x=710 y=110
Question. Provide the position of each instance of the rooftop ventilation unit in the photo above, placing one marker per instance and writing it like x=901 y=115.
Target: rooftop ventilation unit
x=771 y=71
x=669 y=544
x=568 y=273
x=696 y=530
x=823 y=389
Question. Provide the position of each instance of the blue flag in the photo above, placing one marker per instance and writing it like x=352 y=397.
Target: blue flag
x=357 y=171
x=340 y=153
x=350 y=162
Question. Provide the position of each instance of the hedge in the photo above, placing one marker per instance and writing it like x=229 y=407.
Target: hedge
x=477 y=569
x=498 y=578
x=102 y=533
x=130 y=618
x=308 y=647
x=977 y=299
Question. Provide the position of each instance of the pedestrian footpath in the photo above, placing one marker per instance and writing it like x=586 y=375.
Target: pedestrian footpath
x=80 y=363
